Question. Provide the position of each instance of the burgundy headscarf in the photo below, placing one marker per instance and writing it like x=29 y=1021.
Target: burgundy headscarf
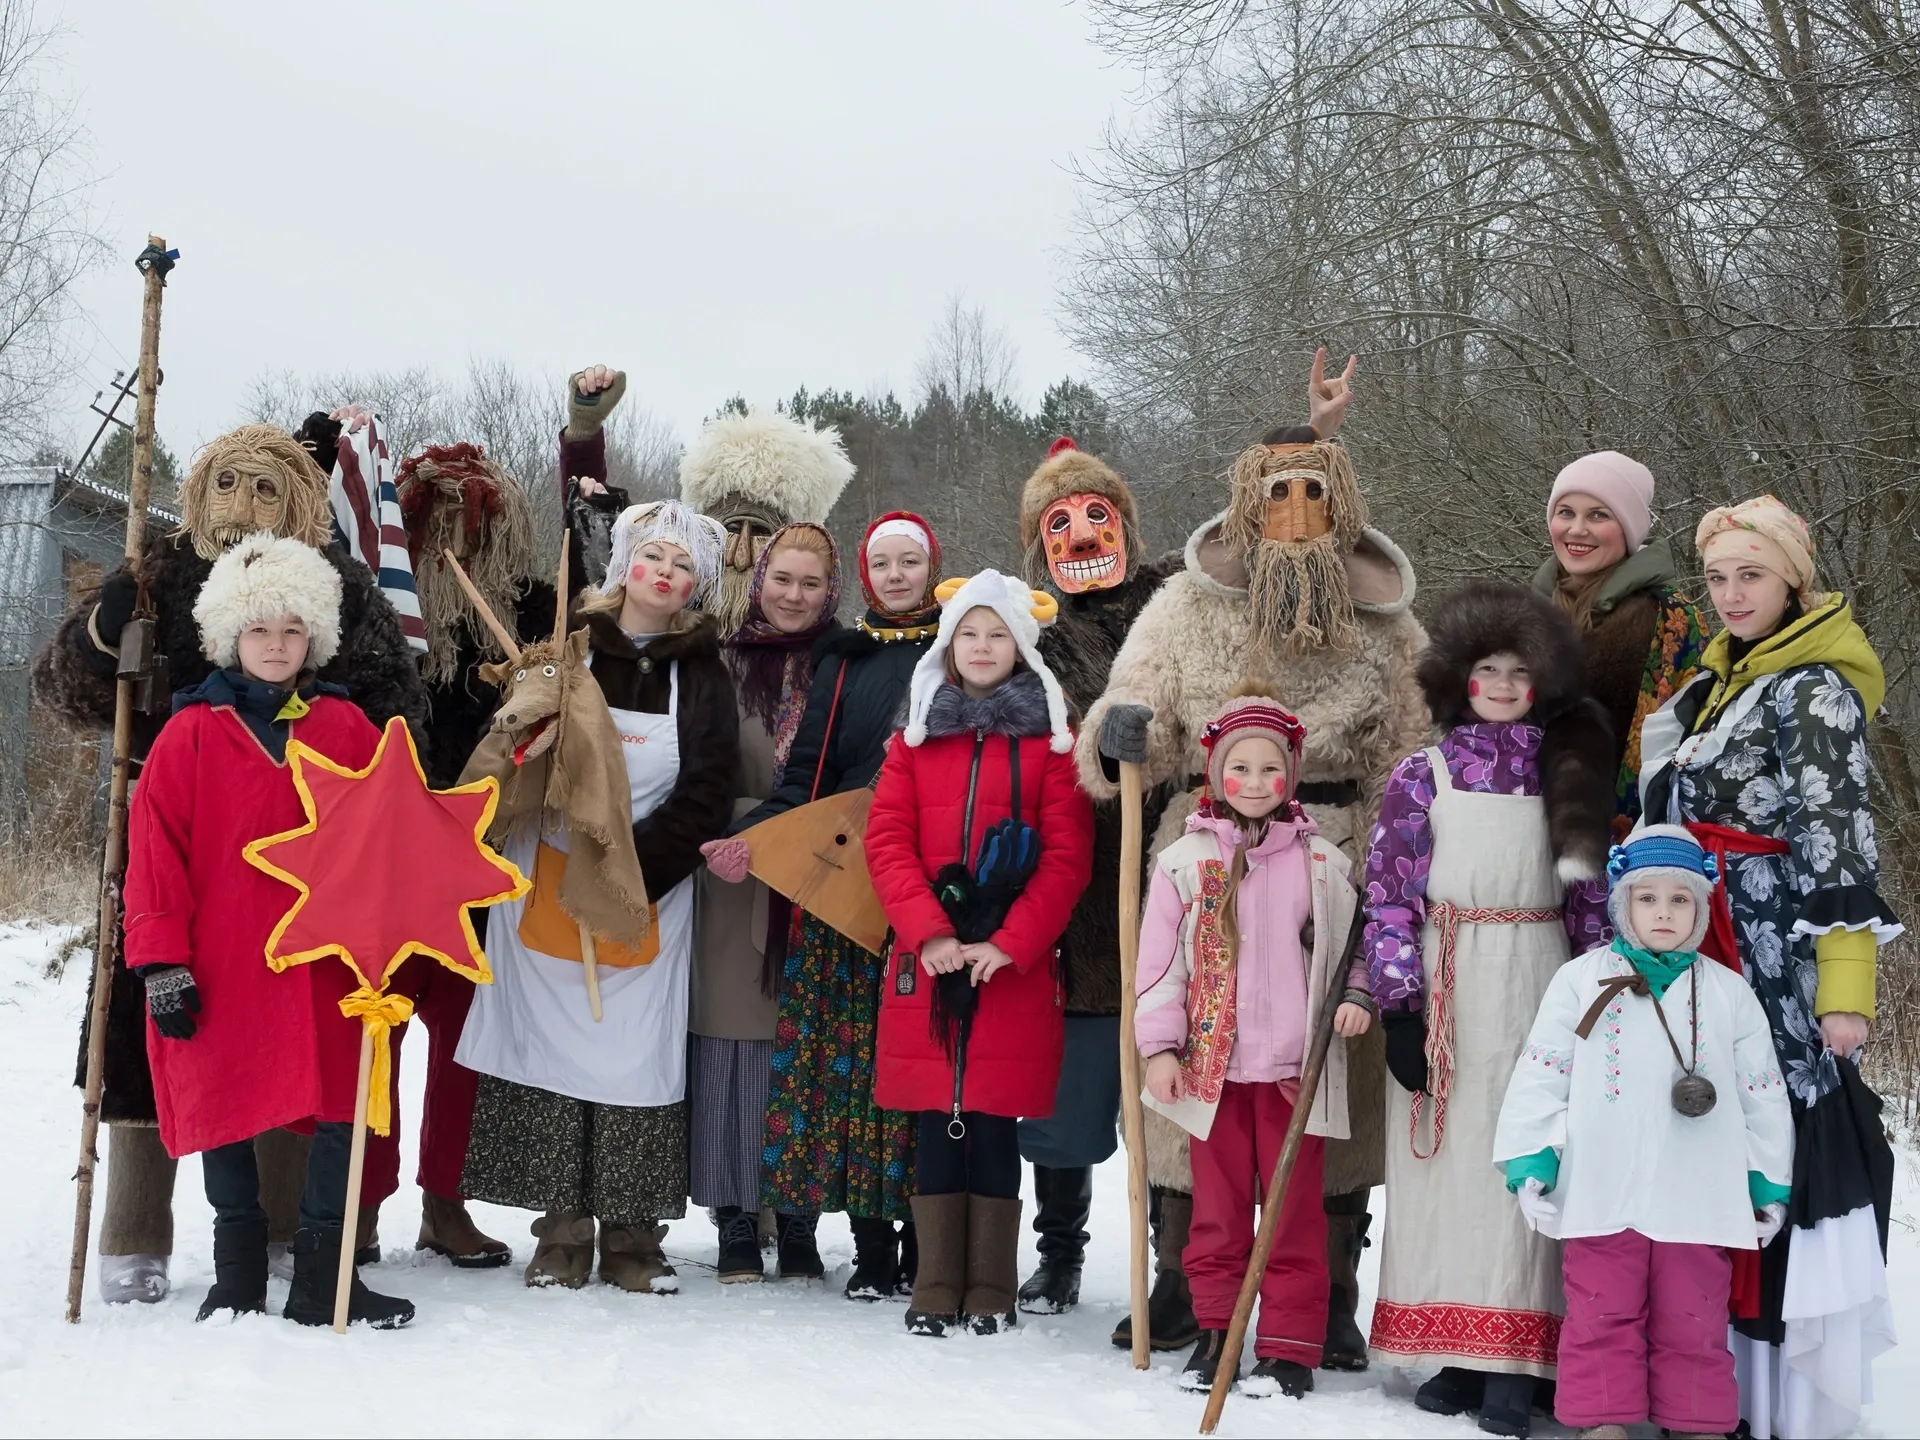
x=769 y=664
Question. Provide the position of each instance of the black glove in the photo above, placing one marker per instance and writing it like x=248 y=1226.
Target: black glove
x=1123 y=733
x=119 y=594
x=172 y=1000
x=1407 y=1047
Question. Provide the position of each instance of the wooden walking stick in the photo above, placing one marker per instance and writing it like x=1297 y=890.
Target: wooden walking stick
x=153 y=262
x=1131 y=825
x=356 y=1170
x=1229 y=1367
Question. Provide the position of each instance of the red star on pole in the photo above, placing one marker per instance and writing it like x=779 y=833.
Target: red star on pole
x=385 y=866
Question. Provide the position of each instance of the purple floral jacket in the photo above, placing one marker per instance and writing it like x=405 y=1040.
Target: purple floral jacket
x=1496 y=759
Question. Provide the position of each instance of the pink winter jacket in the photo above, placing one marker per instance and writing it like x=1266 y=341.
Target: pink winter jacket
x=1270 y=980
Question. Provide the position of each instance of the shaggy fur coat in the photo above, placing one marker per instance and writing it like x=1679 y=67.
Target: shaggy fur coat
x=1363 y=709
x=74 y=678
x=1079 y=647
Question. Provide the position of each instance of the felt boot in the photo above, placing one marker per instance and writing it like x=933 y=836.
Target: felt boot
x=367 y=1236
x=239 y=1269
x=1170 y=1319
x=1453 y=1391
x=876 y=1258
x=799 y=1253
x=316 y=1276
x=133 y=1279
x=1347 y=1225
x=1065 y=1200
x=447 y=1229
x=564 y=1254
x=739 y=1261
x=1507 y=1406
x=630 y=1257
x=993 y=1263
x=939 y=1284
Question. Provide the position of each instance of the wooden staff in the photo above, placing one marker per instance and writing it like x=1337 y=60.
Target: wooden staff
x=1229 y=1367
x=590 y=962
x=356 y=1172
x=153 y=262
x=1131 y=825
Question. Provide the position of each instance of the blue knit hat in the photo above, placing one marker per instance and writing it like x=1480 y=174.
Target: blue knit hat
x=1660 y=852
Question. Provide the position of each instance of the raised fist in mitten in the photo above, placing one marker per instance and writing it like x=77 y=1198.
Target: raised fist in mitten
x=728 y=859
x=1123 y=733
x=172 y=1000
x=119 y=595
x=591 y=396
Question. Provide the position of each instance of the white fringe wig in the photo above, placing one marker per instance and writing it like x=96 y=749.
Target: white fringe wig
x=772 y=459
x=261 y=578
x=1024 y=612
x=701 y=537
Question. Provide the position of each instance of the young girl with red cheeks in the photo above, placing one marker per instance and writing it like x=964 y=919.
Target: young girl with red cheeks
x=980 y=841
x=1245 y=915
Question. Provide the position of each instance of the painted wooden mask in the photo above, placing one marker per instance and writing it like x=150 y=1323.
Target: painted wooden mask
x=1297 y=509
x=1086 y=543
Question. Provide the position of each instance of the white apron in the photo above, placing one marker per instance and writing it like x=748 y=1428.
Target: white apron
x=1462 y=1280
x=533 y=1025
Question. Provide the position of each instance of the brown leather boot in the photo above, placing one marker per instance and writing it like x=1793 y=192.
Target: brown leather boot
x=630 y=1257
x=564 y=1255
x=367 y=1236
x=1170 y=1321
x=447 y=1229
x=993 y=1263
x=940 y=1221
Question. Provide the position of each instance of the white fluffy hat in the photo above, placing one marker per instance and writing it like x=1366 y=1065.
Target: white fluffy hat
x=789 y=465
x=702 y=537
x=1024 y=610
x=266 y=575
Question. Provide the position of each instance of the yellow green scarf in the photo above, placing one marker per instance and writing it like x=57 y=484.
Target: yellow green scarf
x=1825 y=635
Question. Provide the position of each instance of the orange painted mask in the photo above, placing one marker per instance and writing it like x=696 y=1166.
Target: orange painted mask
x=1296 y=500
x=1086 y=543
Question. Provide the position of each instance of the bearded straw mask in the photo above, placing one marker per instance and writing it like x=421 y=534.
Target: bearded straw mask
x=1086 y=543
x=1297 y=512
x=252 y=479
x=749 y=526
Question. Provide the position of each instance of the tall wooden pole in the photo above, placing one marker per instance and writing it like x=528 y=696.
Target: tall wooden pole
x=356 y=1173
x=154 y=262
x=1131 y=839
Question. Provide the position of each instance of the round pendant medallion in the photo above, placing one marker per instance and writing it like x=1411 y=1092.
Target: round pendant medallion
x=1693 y=1095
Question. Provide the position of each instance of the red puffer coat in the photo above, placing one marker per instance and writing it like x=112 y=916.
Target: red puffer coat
x=914 y=828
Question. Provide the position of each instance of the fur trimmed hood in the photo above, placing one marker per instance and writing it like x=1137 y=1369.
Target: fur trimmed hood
x=1491 y=617
x=262 y=577
x=794 y=469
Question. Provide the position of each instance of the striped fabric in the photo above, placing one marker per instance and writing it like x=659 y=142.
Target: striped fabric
x=366 y=522
x=727 y=1085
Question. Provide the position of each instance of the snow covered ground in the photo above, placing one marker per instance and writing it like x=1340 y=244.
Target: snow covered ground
x=488 y=1357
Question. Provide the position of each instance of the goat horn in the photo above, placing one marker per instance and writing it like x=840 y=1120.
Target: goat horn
x=507 y=642
x=560 y=589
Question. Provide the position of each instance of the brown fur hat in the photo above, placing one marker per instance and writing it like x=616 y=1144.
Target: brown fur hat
x=1069 y=470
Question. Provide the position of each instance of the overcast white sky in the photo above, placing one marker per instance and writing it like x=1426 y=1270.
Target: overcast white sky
x=717 y=196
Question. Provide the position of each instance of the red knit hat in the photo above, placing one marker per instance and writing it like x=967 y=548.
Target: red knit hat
x=1252 y=709
x=898 y=521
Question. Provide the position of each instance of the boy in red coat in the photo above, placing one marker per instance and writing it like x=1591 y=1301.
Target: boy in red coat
x=236 y=1049
x=979 y=842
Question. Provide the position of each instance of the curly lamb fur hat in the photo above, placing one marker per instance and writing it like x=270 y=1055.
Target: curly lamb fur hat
x=789 y=466
x=264 y=576
x=1577 y=762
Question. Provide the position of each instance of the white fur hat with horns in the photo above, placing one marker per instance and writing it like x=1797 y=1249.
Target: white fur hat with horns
x=1024 y=610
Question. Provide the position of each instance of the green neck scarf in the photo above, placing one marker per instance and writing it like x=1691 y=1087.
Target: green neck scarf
x=1660 y=969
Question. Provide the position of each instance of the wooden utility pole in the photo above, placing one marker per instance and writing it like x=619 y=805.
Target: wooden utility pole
x=153 y=263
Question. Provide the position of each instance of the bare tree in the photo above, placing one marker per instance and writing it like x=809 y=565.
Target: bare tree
x=966 y=356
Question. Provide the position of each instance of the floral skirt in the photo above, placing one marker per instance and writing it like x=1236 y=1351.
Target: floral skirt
x=828 y=1146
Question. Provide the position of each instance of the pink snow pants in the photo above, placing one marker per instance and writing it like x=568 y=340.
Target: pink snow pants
x=1646 y=1335
x=1230 y=1167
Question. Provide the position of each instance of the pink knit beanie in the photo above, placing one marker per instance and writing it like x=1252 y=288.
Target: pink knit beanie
x=1617 y=481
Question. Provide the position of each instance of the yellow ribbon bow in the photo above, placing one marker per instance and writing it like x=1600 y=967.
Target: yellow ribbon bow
x=378 y=1013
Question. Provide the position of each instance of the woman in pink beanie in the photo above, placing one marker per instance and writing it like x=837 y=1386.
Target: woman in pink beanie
x=1642 y=638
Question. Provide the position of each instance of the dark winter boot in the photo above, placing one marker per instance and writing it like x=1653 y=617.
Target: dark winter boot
x=739 y=1246
x=1507 y=1407
x=1204 y=1363
x=1065 y=1200
x=1170 y=1321
x=367 y=1236
x=316 y=1276
x=1453 y=1391
x=993 y=1263
x=939 y=1283
x=1278 y=1377
x=799 y=1253
x=909 y=1260
x=239 y=1269
x=447 y=1229
x=1347 y=1225
x=876 y=1258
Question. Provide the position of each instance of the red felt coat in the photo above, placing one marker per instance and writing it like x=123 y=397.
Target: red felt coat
x=914 y=828
x=272 y=1049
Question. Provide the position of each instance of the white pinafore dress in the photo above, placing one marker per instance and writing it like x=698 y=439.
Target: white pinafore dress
x=1462 y=1280
x=533 y=1025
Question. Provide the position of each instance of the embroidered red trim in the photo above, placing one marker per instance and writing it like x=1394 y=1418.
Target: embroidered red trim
x=1473 y=1331
x=1210 y=993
